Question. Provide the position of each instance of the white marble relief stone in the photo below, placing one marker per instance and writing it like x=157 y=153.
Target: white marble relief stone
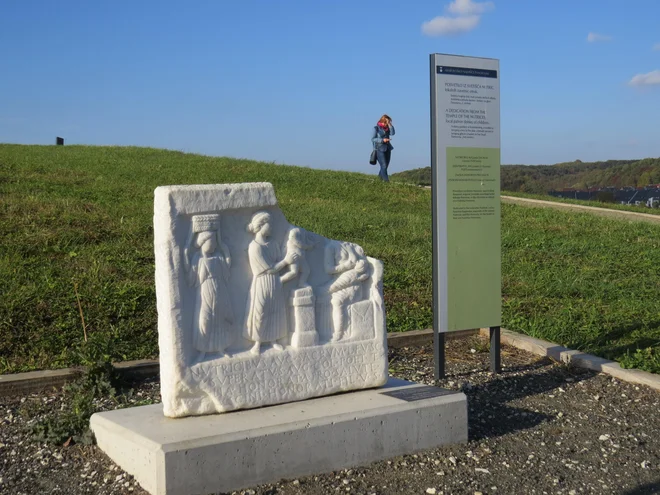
x=254 y=311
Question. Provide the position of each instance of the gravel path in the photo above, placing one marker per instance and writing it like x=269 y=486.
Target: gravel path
x=538 y=428
x=594 y=210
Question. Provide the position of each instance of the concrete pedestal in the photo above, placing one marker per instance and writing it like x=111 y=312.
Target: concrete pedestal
x=225 y=452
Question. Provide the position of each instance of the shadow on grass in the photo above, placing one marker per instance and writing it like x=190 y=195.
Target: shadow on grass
x=490 y=415
x=622 y=350
x=609 y=345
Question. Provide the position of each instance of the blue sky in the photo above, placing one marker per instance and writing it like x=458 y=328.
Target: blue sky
x=302 y=82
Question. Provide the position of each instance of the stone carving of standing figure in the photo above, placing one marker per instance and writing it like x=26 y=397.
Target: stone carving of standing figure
x=207 y=262
x=266 y=317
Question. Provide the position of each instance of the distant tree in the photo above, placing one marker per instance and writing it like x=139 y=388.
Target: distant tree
x=644 y=179
x=580 y=175
x=605 y=197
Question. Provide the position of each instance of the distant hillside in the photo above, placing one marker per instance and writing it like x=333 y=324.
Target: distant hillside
x=419 y=176
x=577 y=175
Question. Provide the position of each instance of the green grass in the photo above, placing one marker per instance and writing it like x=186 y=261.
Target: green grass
x=417 y=176
x=82 y=217
x=595 y=204
x=586 y=282
x=79 y=219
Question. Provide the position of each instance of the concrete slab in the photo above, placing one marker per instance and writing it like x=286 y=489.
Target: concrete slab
x=225 y=452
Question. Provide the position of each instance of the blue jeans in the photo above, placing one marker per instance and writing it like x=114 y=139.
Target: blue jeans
x=384 y=162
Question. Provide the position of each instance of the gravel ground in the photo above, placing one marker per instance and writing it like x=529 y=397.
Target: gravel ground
x=537 y=428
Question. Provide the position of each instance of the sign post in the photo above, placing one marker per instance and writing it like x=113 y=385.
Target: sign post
x=465 y=168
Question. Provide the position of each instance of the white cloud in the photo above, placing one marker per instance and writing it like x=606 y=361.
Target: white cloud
x=448 y=26
x=650 y=79
x=468 y=7
x=656 y=47
x=465 y=15
x=595 y=37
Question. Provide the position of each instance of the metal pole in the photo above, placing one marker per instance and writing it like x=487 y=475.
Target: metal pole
x=495 y=351
x=438 y=334
x=439 y=355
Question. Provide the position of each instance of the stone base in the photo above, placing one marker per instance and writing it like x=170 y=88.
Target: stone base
x=225 y=452
x=304 y=339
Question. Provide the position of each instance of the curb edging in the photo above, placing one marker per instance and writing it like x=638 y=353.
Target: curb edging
x=37 y=381
x=576 y=358
x=396 y=340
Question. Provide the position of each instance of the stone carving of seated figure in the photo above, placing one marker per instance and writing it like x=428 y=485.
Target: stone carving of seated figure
x=348 y=262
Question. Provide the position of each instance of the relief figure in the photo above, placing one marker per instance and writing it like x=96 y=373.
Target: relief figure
x=298 y=242
x=207 y=262
x=266 y=312
x=348 y=262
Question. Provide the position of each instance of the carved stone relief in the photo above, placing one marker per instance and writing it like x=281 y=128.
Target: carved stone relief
x=255 y=311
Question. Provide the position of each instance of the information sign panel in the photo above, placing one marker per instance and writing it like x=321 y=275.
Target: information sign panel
x=465 y=162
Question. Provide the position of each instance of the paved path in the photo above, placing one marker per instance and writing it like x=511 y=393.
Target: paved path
x=605 y=212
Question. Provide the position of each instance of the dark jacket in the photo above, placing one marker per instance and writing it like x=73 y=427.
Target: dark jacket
x=378 y=135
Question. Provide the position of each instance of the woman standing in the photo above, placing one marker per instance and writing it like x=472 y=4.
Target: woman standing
x=381 y=141
x=207 y=264
x=265 y=319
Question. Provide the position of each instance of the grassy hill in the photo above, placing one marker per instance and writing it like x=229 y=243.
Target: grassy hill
x=79 y=219
x=76 y=225
x=540 y=179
